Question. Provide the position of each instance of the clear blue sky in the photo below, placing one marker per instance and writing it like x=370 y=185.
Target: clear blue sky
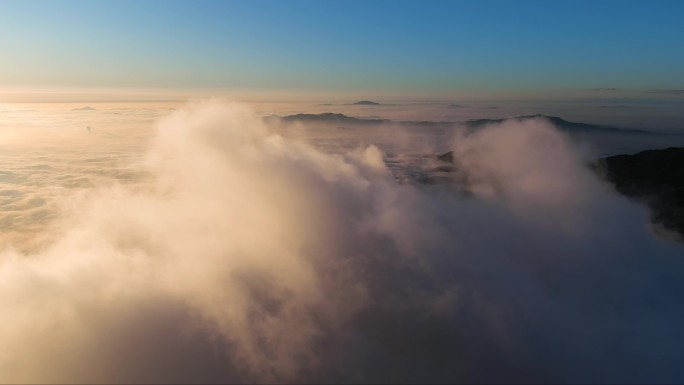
x=344 y=45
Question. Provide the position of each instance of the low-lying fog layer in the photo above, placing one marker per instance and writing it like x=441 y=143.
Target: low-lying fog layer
x=226 y=252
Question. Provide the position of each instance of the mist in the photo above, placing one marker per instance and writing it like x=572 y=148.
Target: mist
x=231 y=252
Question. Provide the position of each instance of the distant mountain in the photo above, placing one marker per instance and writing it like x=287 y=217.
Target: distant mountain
x=557 y=122
x=84 y=109
x=473 y=124
x=655 y=177
x=365 y=103
x=328 y=117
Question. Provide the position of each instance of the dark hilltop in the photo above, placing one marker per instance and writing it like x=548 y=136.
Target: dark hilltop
x=653 y=177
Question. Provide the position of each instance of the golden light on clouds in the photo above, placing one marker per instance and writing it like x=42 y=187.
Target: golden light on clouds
x=207 y=244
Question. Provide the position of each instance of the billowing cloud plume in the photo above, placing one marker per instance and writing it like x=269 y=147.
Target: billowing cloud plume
x=249 y=257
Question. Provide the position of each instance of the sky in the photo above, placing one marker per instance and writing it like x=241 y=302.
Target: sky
x=495 y=49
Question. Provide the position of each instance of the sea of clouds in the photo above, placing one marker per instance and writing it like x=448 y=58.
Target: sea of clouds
x=224 y=251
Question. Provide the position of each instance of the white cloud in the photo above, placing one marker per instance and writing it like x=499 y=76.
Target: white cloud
x=247 y=256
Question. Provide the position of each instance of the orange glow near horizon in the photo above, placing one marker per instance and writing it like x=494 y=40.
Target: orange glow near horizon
x=69 y=94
